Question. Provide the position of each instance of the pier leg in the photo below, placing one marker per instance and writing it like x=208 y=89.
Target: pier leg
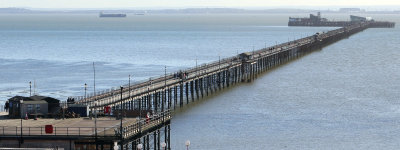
x=187 y=92
x=148 y=142
x=228 y=77
x=155 y=101
x=201 y=87
x=158 y=139
x=144 y=143
x=223 y=79
x=191 y=90
x=197 y=88
x=206 y=85
x=175 y=96
x=155 y=140
x=169 y=98
x=181 y=95
x=169 y=138
x=162 y=100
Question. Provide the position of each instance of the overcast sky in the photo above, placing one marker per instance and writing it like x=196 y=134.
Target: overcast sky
x=195 y=3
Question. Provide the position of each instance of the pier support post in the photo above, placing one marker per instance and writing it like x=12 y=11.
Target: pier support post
x=191 y=90
x=187 y=92
x=197 y=88
x=181 y=95
x=169 y=98
x=202 y=87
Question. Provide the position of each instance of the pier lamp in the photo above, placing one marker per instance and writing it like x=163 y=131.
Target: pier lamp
x=85 y=89
x=187 y=143
x=95 y=116
x=95 y=120
x=139 y=146
x=163 y=145
x=20 y=105
x=120 y=115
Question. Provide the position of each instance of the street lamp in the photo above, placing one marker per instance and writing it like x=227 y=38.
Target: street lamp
x=139 y=146
x=187 y=143
x=95 y=121
x=85 y=89
x=120 y=115
x=30 y=88
x=20 y=105
x=163 y=145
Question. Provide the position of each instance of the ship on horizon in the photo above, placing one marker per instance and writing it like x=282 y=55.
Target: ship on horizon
x=101 y=14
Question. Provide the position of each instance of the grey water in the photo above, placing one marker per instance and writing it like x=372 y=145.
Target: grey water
x=344 y=96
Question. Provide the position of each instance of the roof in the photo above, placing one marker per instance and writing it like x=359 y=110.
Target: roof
x=35 y=98
x=246 y=54
x=35 y=102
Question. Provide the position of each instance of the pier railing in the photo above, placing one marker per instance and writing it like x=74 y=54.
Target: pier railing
x=57 y=131
x=146 y=124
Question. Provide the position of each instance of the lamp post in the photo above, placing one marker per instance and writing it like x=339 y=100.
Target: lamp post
x=85 y=89
x=95 y=121
x=163 y=145
x=129 y=87
x=120 y=115
x=30 y=88
x=20 y=105
x=139 y=146
x=187 y=143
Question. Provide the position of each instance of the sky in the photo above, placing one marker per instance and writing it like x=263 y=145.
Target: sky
x=78 y=4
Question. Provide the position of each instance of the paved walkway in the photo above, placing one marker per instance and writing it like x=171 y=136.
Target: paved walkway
x=73 y=126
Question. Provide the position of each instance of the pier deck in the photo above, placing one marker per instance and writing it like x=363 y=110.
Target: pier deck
x=69 y=127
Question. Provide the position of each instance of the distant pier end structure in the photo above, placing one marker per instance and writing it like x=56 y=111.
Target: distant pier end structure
x=318 y=21
x=103 y=15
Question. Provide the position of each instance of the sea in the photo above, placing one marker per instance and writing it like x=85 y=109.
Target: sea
x=344 y=96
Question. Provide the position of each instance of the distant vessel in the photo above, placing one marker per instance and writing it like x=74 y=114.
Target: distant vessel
x=140 y=14
x=111 y=15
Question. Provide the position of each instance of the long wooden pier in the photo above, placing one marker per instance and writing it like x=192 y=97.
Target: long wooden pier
x=175 y=90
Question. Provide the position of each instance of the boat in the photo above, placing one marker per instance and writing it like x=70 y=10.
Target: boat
x=111 y=15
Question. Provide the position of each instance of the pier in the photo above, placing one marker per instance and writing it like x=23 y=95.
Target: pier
x=180 y=88
x=134 y=103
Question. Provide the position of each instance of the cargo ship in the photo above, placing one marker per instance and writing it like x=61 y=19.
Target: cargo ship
x=111 y=15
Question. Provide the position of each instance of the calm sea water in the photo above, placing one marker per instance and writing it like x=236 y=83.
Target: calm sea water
x=345 y=96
